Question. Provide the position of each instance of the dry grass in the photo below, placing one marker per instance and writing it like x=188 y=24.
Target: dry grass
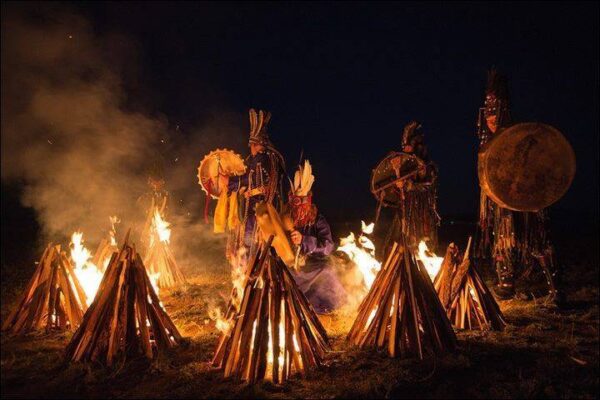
x=544 y=353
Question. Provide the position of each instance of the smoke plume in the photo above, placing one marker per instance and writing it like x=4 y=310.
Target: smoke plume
x=76 y=141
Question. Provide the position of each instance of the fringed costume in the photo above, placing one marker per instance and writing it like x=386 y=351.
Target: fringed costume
x=261 y=182
x=402 y=312
x=513 y=242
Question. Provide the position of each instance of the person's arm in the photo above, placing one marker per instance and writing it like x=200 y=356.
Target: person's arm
x=322 y=243
x=235 y=183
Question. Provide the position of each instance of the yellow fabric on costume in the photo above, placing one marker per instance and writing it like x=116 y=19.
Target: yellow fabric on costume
x=221 y=213
x=233 y=218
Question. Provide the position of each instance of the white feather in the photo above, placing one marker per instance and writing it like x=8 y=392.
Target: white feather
x=296 y=187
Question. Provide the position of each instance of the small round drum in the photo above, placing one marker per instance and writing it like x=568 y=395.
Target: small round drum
x=223 y=162
x=526 y=167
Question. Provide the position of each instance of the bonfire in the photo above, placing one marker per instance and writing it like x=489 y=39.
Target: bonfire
x=53 y=298
x=275 y=333
x=160 y=260
x=126 y=316
x=402 y=311
x=464 y=295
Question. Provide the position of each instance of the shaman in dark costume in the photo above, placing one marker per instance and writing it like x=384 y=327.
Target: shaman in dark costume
x=416 y=218
x=514 y=242
x=312 y=237
x=261 y=182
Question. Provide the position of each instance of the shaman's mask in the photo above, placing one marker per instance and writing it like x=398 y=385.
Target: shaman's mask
x=302 y=210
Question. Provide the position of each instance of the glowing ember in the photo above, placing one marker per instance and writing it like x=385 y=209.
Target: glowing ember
x=431 y=262
x=87 y=273
x=362 y=254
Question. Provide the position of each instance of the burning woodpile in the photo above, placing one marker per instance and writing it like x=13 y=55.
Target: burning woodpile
x=125 y=318
x=464 y=295
x=276 y=332
x=402 y=312
x=53 y=299
x=159 y=259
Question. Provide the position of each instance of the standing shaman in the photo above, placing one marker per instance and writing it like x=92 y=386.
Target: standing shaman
x=261 y=182
x=412 y=190
x=514 y=241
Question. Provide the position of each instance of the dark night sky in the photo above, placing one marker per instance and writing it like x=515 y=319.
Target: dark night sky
x=342 y=79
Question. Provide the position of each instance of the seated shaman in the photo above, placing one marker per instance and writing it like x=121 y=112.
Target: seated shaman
x=313 y=244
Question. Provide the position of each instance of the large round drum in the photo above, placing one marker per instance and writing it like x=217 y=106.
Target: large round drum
x=526 y=167
x=218 y=162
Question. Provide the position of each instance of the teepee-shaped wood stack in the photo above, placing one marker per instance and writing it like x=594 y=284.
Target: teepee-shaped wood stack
x=402 y=311
x=126 y=316
x=467 y=300
x=276 y=332
x=159 y=259
x=53 y=298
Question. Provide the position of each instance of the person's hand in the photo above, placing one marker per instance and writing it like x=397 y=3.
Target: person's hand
x=296 y=238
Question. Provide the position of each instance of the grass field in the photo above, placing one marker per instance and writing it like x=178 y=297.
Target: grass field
x=544 y=352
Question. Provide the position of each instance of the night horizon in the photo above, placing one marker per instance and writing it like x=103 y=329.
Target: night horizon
x=354 y=96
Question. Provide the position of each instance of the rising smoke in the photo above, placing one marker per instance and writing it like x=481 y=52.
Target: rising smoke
x=73 y=137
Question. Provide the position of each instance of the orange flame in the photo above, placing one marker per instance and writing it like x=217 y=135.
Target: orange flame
x=431 y=261
x=87 y=273
x=161 y=227
x=363 y=253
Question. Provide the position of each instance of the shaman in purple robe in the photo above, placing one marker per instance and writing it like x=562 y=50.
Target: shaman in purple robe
x=317 y=278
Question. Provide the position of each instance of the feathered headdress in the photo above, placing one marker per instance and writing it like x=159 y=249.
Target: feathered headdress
x=258 y=126
x=300 y=198
x=303 y=180
x=412 y=133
